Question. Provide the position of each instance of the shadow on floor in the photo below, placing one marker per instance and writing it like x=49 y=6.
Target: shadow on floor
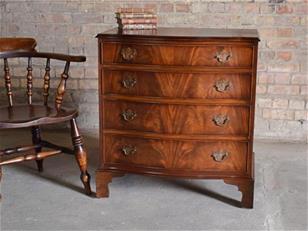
x=176 y=183
x=68 y=167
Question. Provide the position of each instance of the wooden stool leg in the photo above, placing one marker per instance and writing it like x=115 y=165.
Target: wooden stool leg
x=36 y=139
x=81 y=156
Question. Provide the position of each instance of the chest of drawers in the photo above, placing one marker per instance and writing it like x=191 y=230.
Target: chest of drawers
x=178 y=102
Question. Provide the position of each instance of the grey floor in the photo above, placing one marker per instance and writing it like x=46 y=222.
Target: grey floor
x=53 y=200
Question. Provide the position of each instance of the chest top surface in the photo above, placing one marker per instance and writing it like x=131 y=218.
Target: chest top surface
x=196 y=33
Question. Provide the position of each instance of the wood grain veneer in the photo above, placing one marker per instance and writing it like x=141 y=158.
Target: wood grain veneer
x=178 y=102
x=176 y=119
x=173 y=155
x=206 y=55
x=183 y=85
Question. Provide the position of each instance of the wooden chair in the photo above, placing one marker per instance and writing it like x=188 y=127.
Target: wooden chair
x=30 y=115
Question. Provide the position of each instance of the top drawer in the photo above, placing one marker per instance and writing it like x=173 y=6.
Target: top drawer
x=199 y=55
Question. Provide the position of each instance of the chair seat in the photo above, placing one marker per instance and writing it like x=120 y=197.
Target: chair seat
x=19 y=116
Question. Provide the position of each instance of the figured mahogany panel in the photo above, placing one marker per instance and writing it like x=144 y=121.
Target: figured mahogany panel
x=176 y=119
x=183 y=85
x=198 y=156
x=207 y=55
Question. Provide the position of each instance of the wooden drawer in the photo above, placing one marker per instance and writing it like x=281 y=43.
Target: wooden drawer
x=206 y=55
x=176 y=119
x=171 y=85
x=184 y=155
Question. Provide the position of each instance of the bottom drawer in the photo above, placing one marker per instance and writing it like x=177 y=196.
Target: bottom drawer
x=185 y=155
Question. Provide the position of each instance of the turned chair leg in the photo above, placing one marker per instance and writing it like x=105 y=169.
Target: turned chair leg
x=36 y=139
x=81 y=156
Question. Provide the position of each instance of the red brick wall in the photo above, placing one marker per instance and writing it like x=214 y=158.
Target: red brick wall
x=71 y=25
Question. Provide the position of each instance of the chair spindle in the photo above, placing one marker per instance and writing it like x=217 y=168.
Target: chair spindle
x=46 y=82
x=29 y=80
x=8 y=82
x=62 y=86
x=27 y=157
x=15 y=150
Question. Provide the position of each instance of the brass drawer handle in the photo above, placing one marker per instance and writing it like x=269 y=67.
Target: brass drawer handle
x=129 y=81
x=221 y=120
x=128 y=115
x=129 y=150
x=128 y=53
x=223 y=85
x=223 y=56
x=219 y=156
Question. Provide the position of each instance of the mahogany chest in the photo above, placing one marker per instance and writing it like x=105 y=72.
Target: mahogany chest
x=178 y=102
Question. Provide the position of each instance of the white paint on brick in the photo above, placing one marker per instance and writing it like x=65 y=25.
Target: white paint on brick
x=297 y=104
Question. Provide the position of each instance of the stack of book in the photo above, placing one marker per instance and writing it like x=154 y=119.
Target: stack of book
x=136 y=19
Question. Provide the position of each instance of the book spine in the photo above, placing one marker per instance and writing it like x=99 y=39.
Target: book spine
x=138 y=26
x=135 y=15
x=135 y=10
x=139 y=21
x=141 y=32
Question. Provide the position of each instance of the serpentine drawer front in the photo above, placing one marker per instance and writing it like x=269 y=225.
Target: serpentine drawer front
x=176 y=119
x=177 y=155
x=177 y=85
x=165 y=54
x=178 y=102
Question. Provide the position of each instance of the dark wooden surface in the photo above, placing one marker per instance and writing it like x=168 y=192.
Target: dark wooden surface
x=19 y=116
x=170 y=32
x=33 y=115
x=179 y=104
x=46 y=55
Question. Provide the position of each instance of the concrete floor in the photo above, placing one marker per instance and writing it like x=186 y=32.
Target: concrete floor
x=53 y=200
